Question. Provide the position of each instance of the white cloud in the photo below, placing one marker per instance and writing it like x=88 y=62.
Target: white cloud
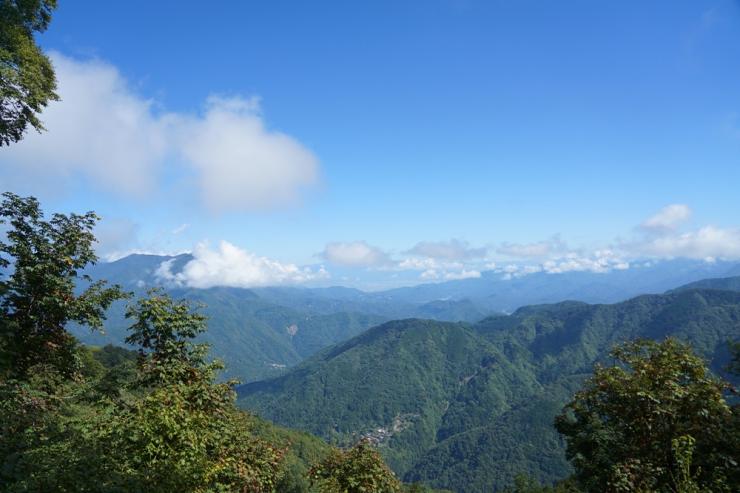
x=234 y=267
x=709 y=241
x=355 y=254
x=415 y=263
x=601 y=261
x=434 y=274
x=99 y=129
x=667 y=219
x=463 y=274
x=447 y=250
x=104 y=132
x=242 y=164
x=663 y=239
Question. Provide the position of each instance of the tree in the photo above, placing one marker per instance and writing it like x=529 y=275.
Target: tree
x=42 y=367
x=734 y=366
x=636 y=425
x=359 y=469
x=27 y=81
x=525 y=484
x=167 y=427
x=38 y=299
x=164 y=331
x=184 y=432
x=76 y=419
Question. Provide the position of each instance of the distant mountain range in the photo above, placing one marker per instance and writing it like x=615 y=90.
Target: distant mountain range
x=492 y=292
x=260 y=332
x=724 y=283
x=469 y=406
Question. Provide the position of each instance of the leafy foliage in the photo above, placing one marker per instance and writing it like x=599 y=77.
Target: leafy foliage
x=357 y=470
x=27 y=81
x=734 y=366
x=525 y=484
x=255 y=338
x=635 y=425
x=471 y=407
x=184 y=434
x=108 y=419
x=38 y=299
x=464 y=406
x=166 y=427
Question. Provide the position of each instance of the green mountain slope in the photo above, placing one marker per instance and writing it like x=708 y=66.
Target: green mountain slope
x=726 y=283
x=394 y=383
x=467 y=407
x=261 y=332
x=255 y=338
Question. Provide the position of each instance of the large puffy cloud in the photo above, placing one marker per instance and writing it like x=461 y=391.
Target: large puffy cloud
x=667 y=219
x=99 y=129
x=355 y=254
x=241 y=163
x=104 y=132
x=232 y=266
x=447 y=250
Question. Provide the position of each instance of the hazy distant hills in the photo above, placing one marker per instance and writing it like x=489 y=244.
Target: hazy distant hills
x=261 y=331
x=726 y=283
x=467 y=407
x=492 y=292
x=456 y=393
x=254 y=338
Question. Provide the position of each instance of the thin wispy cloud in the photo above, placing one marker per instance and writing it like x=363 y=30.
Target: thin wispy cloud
x=667 y=219
x=181 y=229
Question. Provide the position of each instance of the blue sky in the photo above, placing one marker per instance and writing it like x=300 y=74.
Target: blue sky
x=346 y=134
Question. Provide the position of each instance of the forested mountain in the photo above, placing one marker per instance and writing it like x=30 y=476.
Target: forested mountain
x=260 y=332
x=467 y=407
x=726 y=283
x=255 y=338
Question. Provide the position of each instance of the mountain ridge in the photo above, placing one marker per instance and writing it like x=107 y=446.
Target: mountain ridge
x=479 y=418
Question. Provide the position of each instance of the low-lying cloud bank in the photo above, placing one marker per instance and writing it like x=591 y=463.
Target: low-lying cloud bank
x=104 y=132
x=660 y=236
x=708 y=242
x=231 y=266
